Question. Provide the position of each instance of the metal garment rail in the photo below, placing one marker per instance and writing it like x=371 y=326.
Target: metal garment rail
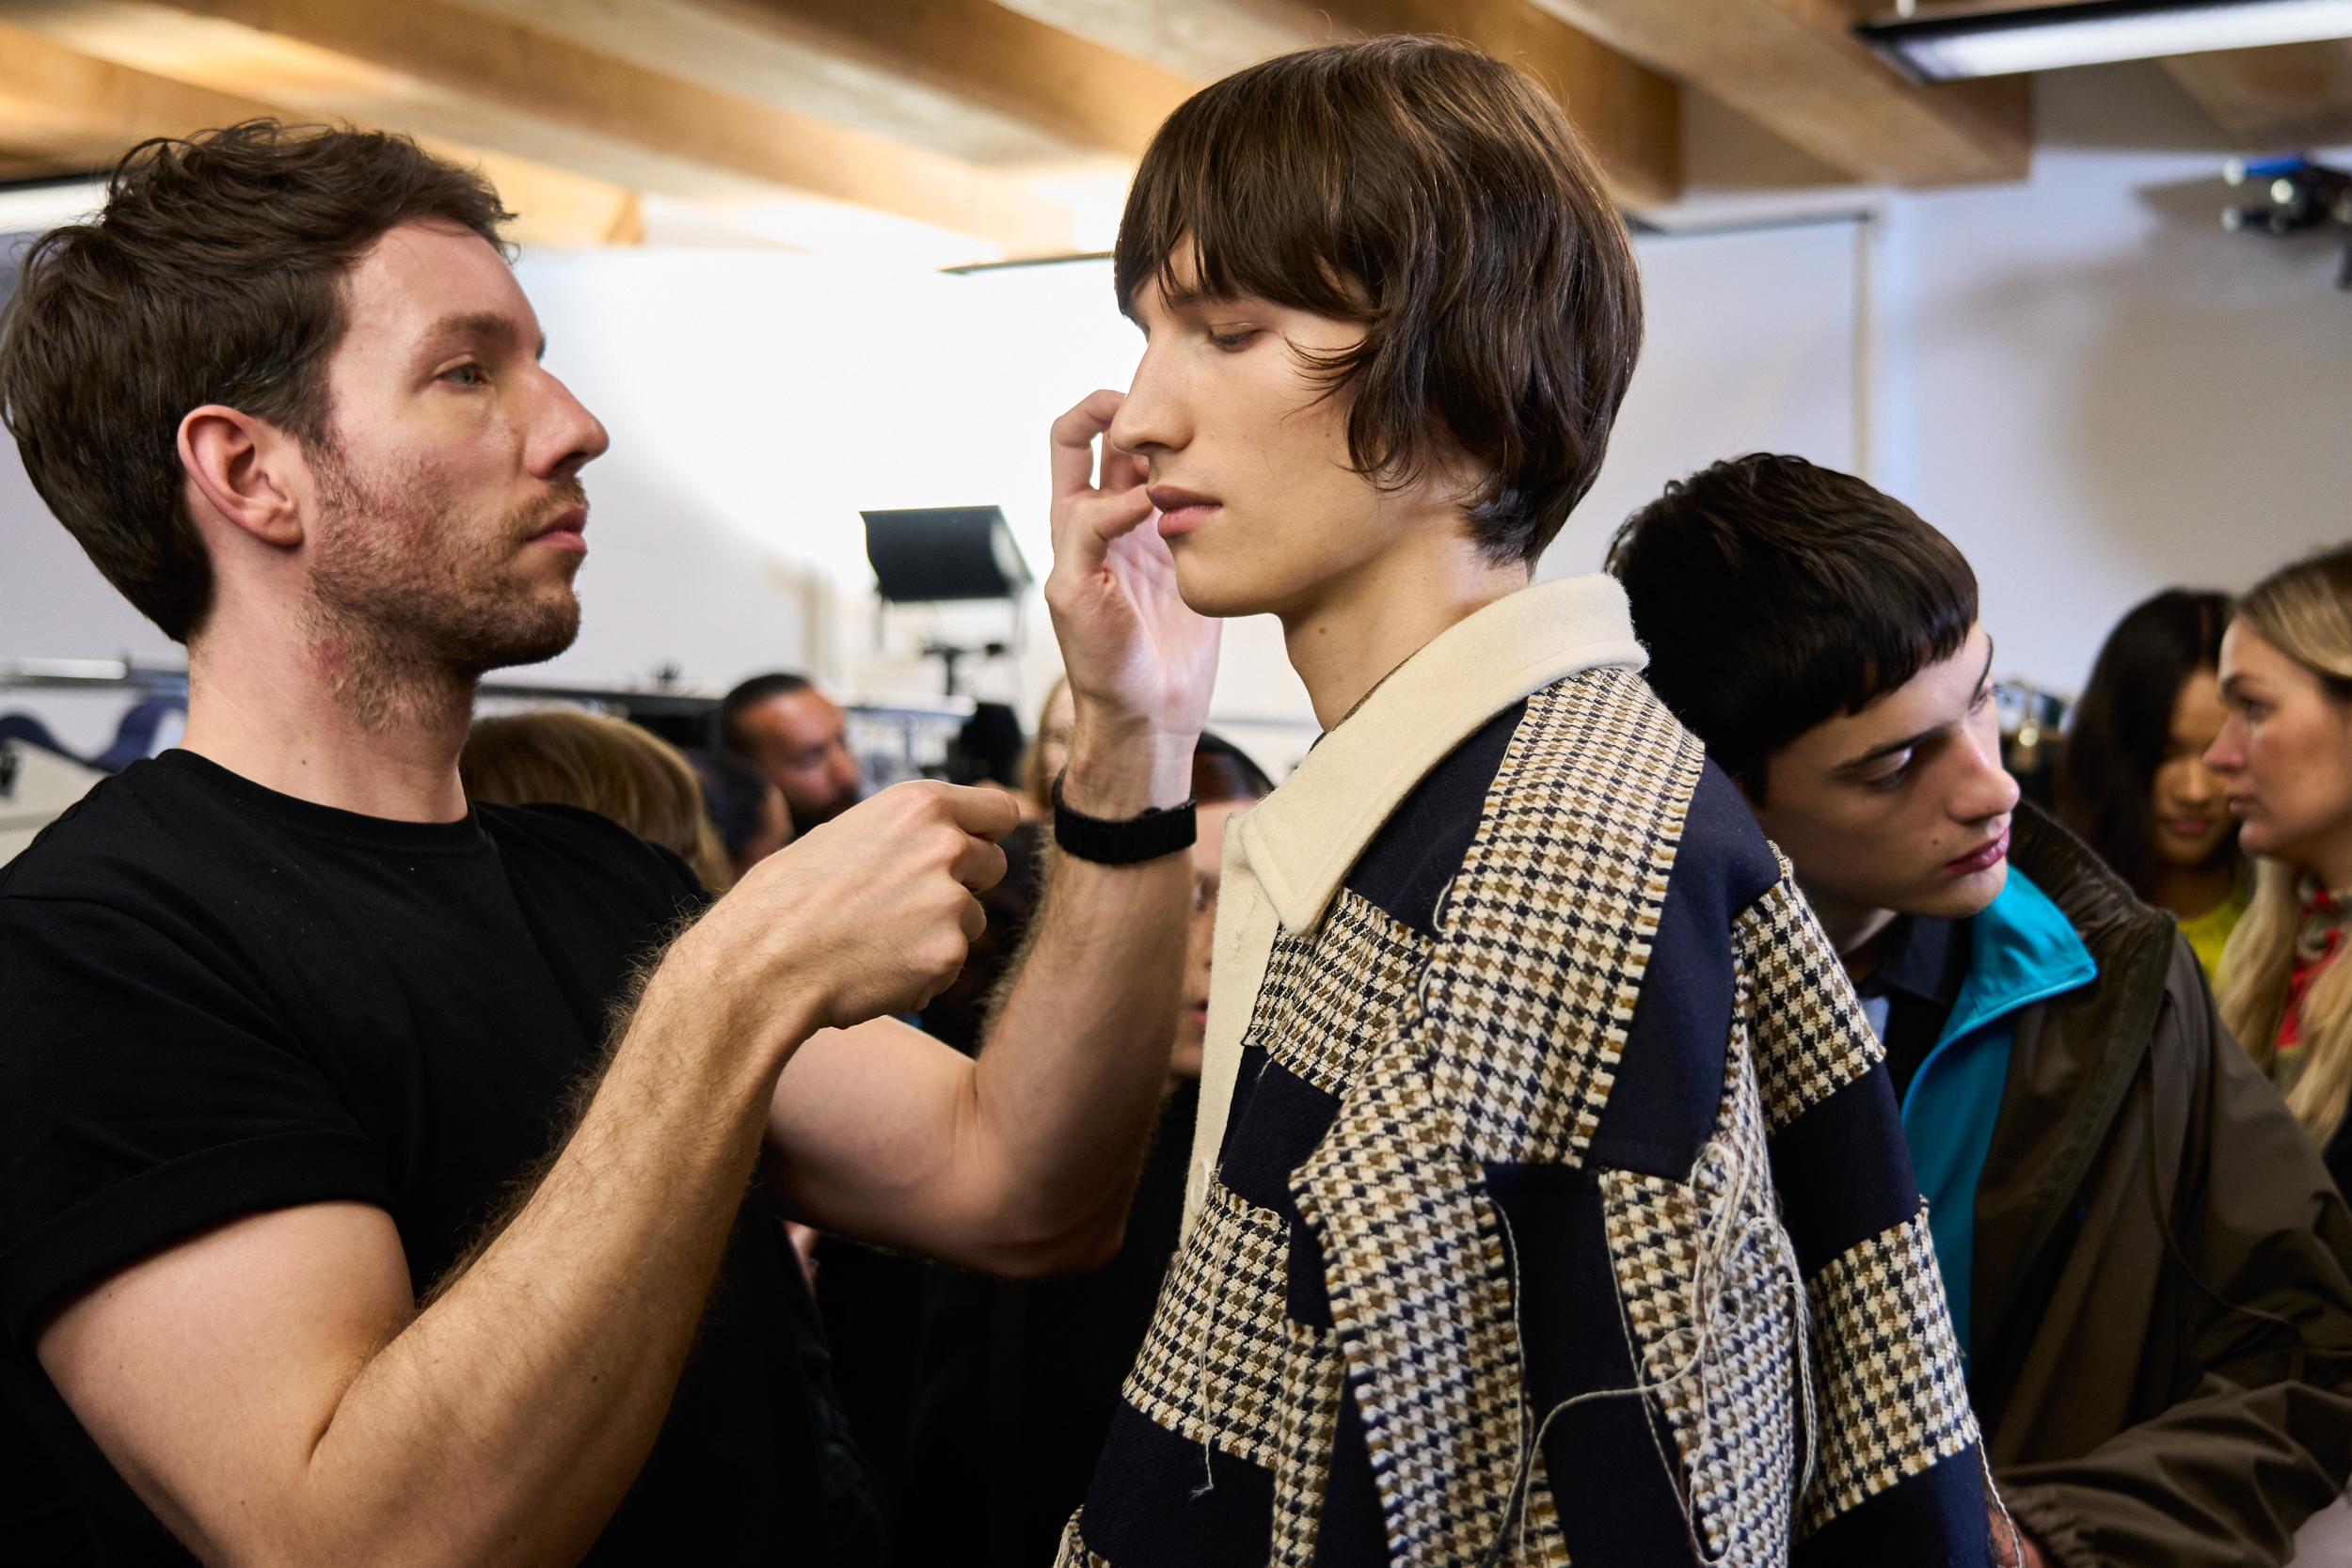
x=894 y=740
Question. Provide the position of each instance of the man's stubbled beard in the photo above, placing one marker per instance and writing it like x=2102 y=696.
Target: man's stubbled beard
x=410 y=603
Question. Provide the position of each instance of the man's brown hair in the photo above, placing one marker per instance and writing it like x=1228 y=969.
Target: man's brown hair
x=212 y=276
x=1441 y=199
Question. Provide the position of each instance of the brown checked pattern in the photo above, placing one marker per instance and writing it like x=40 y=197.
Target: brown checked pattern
x=1810 y=1036
x=1500 y=1043
x=1311 y=1375
x=1331 y=996
x=1894 y=1398
x=1547 y=930
x=1545 y=937
x=1213 y=1365
x=1710 y=1286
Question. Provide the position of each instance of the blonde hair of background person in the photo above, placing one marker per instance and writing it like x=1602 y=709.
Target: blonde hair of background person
x=565 y=757
x=2304 y=613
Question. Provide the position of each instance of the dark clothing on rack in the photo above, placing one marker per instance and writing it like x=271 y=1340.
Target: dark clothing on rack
x=1020 y=1378
x=222 y=1000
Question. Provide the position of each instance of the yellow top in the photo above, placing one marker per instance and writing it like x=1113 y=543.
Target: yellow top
x=2209 y=932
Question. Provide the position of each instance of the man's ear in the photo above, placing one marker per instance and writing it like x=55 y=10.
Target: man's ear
x=246 y=471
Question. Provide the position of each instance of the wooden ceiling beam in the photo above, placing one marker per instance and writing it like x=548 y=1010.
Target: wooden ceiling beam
x=1198 y=39
x=439 y=69
x=1066 y=86
x=1793 y=67
x=1629 y=116
x=2276 y=100
x=743 y=52
x=85 y=113
x=75 y=111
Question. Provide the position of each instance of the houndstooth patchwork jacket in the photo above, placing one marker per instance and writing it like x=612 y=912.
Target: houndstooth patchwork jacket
x=1549 y=1203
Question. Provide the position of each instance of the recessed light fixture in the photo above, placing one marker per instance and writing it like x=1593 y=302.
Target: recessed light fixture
x=1952 y=43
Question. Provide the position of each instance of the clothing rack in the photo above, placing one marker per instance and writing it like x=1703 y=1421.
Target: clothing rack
x=892 y=741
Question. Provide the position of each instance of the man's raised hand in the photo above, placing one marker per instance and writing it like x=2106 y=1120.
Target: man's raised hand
x=1140 y=661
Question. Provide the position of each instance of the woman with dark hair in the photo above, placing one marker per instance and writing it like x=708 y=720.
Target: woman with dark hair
x=2133 y=783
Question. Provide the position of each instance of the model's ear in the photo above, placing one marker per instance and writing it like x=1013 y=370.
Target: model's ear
x=245 y=471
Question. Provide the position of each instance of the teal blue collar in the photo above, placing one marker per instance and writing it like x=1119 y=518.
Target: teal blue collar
x=2022 y=949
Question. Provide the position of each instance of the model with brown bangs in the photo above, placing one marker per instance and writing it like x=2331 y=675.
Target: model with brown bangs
x=1444 y=207
x=1540 y=1136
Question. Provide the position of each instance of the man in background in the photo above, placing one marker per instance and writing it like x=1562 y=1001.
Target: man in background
x=2145 y=1257
x=796 y=735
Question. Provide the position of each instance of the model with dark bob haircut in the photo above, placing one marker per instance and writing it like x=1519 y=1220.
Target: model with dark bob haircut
x=1457 y=1095
x=1441 y=199
x=211 y=277
x=1832 y=589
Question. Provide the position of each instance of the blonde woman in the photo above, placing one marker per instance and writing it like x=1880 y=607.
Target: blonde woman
x=2285 y=756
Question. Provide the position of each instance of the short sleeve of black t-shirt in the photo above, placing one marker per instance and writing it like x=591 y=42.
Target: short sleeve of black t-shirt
x=220 y=1000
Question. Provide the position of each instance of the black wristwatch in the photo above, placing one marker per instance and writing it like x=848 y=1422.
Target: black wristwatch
x=1161 y=830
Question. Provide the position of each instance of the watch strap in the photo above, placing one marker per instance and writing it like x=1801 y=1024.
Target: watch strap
x=1124 y=841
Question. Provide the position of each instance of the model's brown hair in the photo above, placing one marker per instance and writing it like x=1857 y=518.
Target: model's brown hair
x=212 y=276
x=1442 y=200
x=607 y=765
x=2305 y=611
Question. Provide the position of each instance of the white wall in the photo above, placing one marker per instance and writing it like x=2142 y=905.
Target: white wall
x=1751 y=346
x=2099 y=393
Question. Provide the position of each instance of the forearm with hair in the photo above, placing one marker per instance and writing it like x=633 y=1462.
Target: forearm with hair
x=620 y=1013
x=506 y=1421
x=1067 y=1085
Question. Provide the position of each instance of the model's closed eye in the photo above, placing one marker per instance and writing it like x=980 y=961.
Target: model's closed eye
x=1236 y=339
x=1896 y=768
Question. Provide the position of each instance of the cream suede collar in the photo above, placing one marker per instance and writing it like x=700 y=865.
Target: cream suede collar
x=1286 y=858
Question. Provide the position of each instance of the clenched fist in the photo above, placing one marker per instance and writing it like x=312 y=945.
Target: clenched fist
x=869 y=914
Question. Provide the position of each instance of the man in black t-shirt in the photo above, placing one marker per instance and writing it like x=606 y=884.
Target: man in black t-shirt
x=357 y=1204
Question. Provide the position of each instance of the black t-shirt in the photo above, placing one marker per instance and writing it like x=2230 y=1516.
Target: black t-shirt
x=219 y=1000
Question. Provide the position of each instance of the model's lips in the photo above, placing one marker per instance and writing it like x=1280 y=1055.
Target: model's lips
x=2191 y=826
x=1983 y=858
x=1181 y=509
x=565 y=531
x=2241 y=806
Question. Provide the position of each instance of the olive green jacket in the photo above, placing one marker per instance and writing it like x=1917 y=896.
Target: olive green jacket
x=2163 y=1293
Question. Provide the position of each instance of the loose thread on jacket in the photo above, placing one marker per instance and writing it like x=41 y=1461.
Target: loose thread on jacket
x=1221 y=1256
x=1726 y=1239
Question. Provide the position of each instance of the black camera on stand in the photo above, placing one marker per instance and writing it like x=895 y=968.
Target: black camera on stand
x=2294 y=193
